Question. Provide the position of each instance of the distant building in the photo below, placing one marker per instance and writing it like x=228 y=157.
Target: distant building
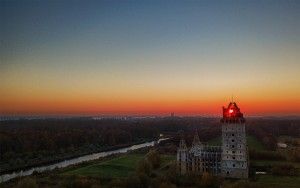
x=281 y=145
x=229 y=160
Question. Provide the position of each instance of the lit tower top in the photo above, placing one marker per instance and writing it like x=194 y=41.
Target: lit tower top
x=232 y=114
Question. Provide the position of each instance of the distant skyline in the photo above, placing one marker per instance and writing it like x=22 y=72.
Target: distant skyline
x=149 y=57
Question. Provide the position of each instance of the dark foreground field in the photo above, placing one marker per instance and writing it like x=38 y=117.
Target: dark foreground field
x=131 y=170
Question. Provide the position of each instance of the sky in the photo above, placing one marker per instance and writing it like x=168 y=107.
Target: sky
x=149 y=57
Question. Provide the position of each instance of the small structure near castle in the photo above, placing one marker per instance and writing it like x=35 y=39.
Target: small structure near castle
x=229 y=160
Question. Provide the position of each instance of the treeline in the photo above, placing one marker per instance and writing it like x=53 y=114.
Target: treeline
x=267 y=130
x=26 y=143
x=35 y=142
x=35 y=135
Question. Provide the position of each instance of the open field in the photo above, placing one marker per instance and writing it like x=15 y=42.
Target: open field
x=253 y=143
x=118 y=167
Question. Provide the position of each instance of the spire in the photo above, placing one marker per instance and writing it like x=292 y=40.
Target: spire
x=196 y=140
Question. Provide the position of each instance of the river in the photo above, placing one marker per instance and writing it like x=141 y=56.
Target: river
x=65 y=163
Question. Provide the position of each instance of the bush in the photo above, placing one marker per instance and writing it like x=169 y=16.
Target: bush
x=171 y=174
x=27 y=183
x=241 y=183
x=144 y=180
x=144 y=167
x=133 y=182
x=266 y=155
x=207 y=179
x=154 y=158
x=82 y=183
x=167 y=185
x=284 y=170
x=117 y=183
x=294 y=155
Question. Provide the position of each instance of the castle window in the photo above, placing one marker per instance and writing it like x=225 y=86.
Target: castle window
x=233 y=157
x=233 y=151
x=233 y=165
x=227 y=172
x=232 y=140
x=232 y=146
x=232 y=134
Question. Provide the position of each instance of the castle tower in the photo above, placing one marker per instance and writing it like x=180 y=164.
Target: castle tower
x=182 y=157
x=234 y=162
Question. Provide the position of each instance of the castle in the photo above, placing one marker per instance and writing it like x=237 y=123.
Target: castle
x=229 y=160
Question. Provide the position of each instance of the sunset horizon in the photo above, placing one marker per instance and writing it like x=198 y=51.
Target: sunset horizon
x=140 y=58
x=150 y=93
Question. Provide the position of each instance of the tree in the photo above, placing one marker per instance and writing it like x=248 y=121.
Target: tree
x=207 y=179
x=171 y=174
x=133 y=182
x=144 y=167
x=167 y=185
x=27 y=183
x=154 y=158
x=284 y=170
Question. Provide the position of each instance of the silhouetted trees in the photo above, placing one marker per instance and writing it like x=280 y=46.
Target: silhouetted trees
x=284 y=170
x=154 y=158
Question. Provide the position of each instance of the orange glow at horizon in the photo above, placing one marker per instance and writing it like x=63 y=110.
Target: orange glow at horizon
x=144 y=107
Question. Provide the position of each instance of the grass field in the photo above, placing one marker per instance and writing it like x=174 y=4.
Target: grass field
x=278 y=181
x=117 y=167
x=253 y=143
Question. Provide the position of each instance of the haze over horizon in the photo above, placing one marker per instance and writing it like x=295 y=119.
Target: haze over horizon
x=149 y=57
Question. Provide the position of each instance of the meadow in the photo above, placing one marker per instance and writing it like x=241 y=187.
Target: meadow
x=121 y=166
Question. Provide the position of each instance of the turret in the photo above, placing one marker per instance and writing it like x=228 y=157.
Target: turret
x=196 y=145
x=232 y=114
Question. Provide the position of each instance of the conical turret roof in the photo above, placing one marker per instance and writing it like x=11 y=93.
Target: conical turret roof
x=196 y=141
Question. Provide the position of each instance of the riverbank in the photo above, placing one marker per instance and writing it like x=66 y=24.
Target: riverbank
x=67 y=156
x=65 y=163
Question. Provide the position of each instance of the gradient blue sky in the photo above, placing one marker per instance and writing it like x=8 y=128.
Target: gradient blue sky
x=123 y=55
